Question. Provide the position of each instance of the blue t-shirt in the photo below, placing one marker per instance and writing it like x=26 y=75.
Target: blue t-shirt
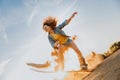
x=58 y=30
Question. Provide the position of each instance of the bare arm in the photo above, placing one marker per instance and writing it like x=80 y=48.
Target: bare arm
x=72 y=16
x=67 y=21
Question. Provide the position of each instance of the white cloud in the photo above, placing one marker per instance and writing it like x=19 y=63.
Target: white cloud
x=57 y=2
x=3 y=35
x=33 y=13
x=3 y=65
x=14 y=17
x=68 y=9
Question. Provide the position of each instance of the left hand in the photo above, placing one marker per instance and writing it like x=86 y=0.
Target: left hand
x=75 y=13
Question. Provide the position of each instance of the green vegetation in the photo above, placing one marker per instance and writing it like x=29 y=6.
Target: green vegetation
x=113 y=48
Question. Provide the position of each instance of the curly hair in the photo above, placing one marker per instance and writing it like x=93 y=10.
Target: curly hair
x=50 y=21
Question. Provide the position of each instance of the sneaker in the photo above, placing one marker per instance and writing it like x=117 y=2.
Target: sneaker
x=84 y=67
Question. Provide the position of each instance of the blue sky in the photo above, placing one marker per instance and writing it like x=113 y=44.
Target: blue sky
x=22 y=38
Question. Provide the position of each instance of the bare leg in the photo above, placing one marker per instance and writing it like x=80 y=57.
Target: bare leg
x=60 y=59
x=54 y=54
x=79 y=54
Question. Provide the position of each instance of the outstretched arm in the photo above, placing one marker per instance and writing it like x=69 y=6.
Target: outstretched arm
x=67 y=21
x=72 y=16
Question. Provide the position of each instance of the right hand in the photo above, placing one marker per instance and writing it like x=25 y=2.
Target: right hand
x=57 y=44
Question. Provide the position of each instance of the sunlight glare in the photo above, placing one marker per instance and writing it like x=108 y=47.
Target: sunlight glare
x=60 y=75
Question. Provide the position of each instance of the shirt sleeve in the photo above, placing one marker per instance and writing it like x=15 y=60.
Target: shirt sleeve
x=51 y=41
x=62 y=25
